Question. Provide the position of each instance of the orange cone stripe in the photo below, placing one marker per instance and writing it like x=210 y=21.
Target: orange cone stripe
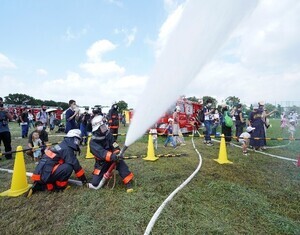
x=128 y=178
x=80 y=173
x=35 y=177
x=61 y=183
x=107 y=158
x=50 y=154
x=96 y=172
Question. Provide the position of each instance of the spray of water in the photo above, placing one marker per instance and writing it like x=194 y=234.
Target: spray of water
x=203 y=28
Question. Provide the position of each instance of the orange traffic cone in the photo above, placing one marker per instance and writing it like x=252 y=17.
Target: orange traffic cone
x=89 y=155
x=150 y=153
x=223 y=152
x=19 y=183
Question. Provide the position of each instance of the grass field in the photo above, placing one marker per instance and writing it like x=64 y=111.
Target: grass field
x=257 y=194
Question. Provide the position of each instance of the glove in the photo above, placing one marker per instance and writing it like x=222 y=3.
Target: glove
x=83 y=179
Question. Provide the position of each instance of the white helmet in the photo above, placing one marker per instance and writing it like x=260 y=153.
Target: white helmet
x=74 y=133
x=177 y=108
x=97 y=122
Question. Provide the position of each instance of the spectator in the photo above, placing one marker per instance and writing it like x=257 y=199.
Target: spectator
x=216 y=122
x=170 y=138
x=71 y=115
x=283 y=121
x=226 y=130
x=83 y=120
x=51 y=120
x=24 y=122
x=5 y=136
x=43 y=136
x=239 y=120
x=256 y=121
x=42 y=116
x=30 y=119
x=292 y=128
x=37 y=143
x=208 y=121
x=244 y=138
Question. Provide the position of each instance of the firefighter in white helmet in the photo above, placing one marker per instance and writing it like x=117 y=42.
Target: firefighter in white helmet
x=106 y=151
x=57 y=164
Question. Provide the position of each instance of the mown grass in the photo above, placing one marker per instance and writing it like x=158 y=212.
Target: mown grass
x=256 y=194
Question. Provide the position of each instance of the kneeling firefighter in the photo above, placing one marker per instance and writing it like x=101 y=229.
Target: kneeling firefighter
x=57 y=164
x=107 y=155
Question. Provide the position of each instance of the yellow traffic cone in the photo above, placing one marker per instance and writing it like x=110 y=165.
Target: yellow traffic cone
x=19 y=183
x=89 y=155
x=223 y=152
x=150 y=153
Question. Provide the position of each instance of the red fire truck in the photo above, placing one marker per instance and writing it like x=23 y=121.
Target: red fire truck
x=187 y=116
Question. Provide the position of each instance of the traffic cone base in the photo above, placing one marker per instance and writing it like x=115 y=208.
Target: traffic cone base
x=223 y=152
x=150 y=152
x=19 y=183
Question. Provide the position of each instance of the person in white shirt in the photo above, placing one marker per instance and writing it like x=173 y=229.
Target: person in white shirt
x=245 y=139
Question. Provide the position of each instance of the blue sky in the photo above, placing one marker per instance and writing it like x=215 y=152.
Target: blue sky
x=98 y=52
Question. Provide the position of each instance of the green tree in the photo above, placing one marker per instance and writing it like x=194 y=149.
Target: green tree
x=193 y=99
x=19 y=99
x=122 y=106
x=214 y=101
x=232 y=101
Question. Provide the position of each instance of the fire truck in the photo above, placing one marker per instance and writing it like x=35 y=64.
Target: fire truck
x=187 y=116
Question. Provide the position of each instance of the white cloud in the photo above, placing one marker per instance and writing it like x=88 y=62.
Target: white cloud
x=41 y=72
x=5 y=63
x=95 y=64
x=71 y=34
x=129 y=35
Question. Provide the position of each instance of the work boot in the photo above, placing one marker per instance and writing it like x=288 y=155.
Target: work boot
x=129 y=188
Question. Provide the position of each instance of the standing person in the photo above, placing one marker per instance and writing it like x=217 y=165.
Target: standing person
x=208 y=121
x=51 y=120
x=57 y=164
x=31 y=119
x=5 y=136
x=113 y=120
x=24 y=122
x=105 y=150
x=239 y=120
x=83 y=120
x=216 y=122
x=177 y=135
x=226 y=129
x=37 y=143
x=255 y=119
x=71 y=115
x=170 y=138
x=42 y=116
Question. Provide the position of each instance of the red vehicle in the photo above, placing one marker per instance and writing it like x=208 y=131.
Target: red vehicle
x=187 y=116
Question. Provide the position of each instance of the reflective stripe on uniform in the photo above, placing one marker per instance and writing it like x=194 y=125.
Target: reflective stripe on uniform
x=55 y=168
x=80 y=173
x=96 y=171
x=128 y=178
x=107 y=157
x=35 y=177
x=50 y=187
x=113 y=127
x=61 y=183
x=116 y=151
x=50 y=154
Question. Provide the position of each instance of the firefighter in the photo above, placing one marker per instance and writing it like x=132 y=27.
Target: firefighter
x=113 y=120
x=106 y=152
x=57 y=164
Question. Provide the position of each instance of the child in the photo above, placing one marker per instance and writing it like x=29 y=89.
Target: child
x=292 y=128
x=37 y=153
x=170 y=138
x=245 y=139
x=153 y=132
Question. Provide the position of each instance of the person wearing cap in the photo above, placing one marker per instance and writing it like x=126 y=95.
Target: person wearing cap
x=256 y=120
x=170 y=138
x=57 y=164
x=5 y=136
x=83 y=120
x=244 y=138
x=106 y=152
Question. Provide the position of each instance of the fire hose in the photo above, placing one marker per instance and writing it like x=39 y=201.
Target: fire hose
x=108 y=174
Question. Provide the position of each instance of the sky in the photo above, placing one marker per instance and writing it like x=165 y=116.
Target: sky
x=103 y=51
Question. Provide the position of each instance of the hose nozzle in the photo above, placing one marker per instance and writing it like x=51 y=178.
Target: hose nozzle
x=123 y=150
